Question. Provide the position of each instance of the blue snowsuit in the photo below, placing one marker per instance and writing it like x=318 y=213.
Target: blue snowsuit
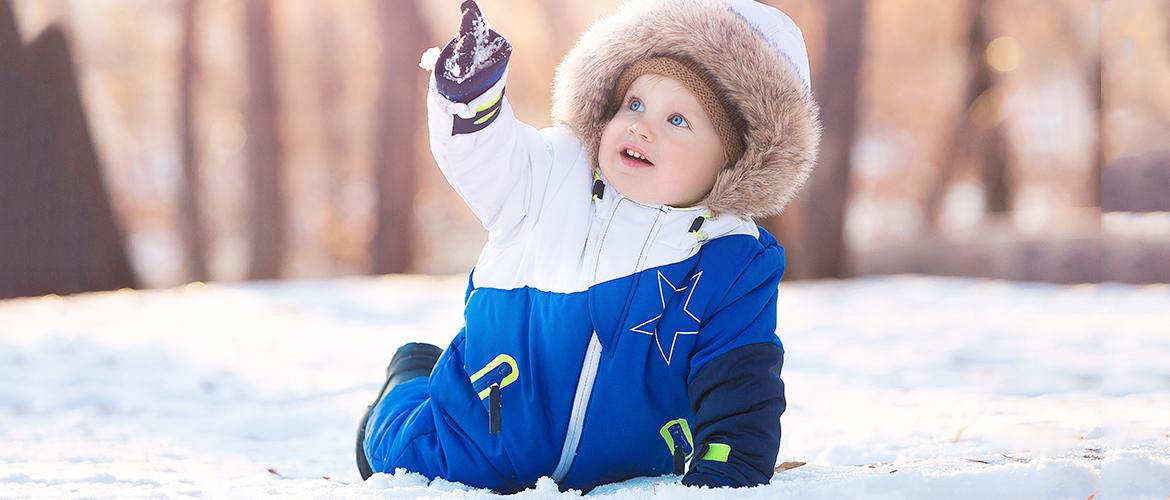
x=621 y=338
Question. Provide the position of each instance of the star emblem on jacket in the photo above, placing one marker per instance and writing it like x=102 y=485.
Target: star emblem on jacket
x=666 y=290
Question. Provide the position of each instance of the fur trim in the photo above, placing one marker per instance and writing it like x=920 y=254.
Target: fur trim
x=782 y=119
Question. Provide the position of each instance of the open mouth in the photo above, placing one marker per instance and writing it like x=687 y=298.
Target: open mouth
x=635 y=157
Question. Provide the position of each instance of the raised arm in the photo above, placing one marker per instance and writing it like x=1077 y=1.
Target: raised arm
x=493 y=160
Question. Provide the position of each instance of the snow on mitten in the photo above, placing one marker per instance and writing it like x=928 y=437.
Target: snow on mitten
x=474 y=60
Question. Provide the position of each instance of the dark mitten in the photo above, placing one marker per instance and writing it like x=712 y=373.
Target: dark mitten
x=474 y=60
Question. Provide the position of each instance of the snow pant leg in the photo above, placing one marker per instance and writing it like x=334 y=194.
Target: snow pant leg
x=401 y=417
x=413 y=429
x=407 y=431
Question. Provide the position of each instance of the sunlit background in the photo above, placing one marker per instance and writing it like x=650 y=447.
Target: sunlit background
x=242 y=140
x=201 y=148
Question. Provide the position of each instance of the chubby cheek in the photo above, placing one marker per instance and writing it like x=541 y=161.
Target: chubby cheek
x=696 y=170
x=706 y=158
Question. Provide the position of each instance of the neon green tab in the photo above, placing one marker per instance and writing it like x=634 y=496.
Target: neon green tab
x=665 y=432
x=489 y=104
x=486 y=117
x=717 y=452
x=508 y=379
x=596 y=175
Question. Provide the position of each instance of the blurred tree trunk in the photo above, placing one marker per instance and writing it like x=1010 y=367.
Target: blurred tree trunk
x=837 y=88
x=788 y=228
x=190 y=223
x=330 y=91
x=58 y=230
x=398 y=117
x=977 y=133
x=997 y=181
x=993 y=162
x=1097 y=93
x=264 y=154
x=10 y=57
x=1099 y=116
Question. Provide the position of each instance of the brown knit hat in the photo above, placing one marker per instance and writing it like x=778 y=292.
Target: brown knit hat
x=692 y=77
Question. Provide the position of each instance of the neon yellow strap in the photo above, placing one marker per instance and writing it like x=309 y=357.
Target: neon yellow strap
x=486 y=105
x=508 y=379
x=717 y=452
x=486 y=117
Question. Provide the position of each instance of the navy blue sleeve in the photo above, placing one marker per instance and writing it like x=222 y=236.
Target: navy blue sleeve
x=735 y=389
x=737 y=399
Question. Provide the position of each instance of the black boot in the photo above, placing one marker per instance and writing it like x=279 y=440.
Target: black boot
x=412 y=360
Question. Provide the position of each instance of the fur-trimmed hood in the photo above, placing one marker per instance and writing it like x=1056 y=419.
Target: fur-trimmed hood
x=754 y=56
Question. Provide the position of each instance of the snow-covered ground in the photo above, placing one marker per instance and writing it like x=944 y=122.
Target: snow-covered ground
x=902 y=387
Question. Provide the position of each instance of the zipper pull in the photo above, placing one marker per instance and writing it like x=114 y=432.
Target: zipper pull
x=494 y=409
x=679 y=458
x=598 y=185
x=698 y=224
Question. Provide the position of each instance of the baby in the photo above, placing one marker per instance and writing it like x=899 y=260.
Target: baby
x=621 y=319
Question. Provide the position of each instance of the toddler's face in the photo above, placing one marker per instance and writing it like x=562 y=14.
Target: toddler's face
x=665 y=124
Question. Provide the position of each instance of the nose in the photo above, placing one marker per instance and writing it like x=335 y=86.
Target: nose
x=639 y=129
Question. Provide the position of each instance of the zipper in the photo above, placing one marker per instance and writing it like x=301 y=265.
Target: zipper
x=580 y=404
x=680 y=440
x=680 y=457
x=592 y=359
x=488 y=381
x=495 y=377
x=491 y=382
x=609 y=222
x=494 y=419
x=682 y=448
x=639 y=263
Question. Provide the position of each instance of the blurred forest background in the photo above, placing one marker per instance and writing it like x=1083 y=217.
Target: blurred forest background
x=151 y=143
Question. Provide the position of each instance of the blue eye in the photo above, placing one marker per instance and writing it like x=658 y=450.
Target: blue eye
x=678 y=121
x=635 y=105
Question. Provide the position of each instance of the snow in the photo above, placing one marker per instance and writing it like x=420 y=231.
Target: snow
x=901 y=387
x=483 y=53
